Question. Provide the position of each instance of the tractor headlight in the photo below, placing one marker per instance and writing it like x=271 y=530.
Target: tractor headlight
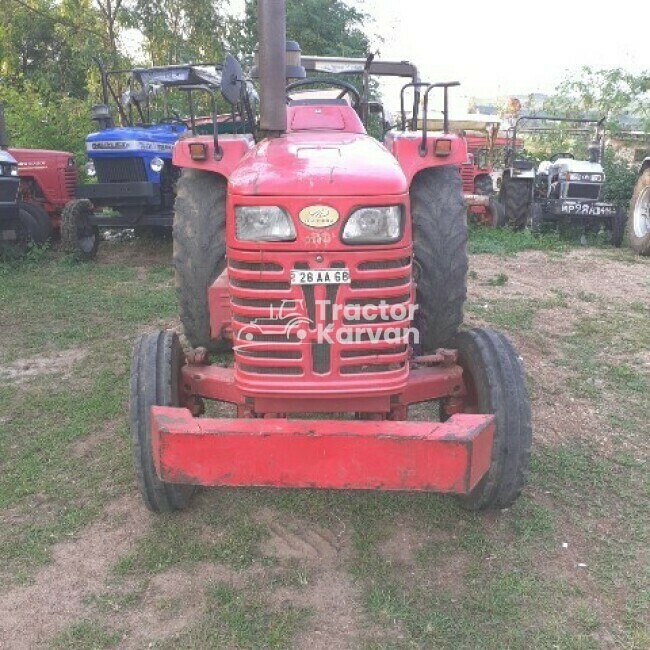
x=263 y=223
x=90 y=168
x=374 y=225
x=8 y=169
x=157 y=164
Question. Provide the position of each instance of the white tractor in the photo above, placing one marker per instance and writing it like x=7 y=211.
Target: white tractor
x=561 y=189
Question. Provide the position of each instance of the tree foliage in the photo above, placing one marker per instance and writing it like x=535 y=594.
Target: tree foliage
x=332 y=28
x=614 y=94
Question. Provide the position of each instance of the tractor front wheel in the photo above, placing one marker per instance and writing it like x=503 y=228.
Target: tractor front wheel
x=79 y=236
x=617 y=231
x=199 y=249
x=495 y=383
x=440 y=264
x=535 y=218
x=155 y=372
x=42 y=227
x=498 y=213
x=517 y=201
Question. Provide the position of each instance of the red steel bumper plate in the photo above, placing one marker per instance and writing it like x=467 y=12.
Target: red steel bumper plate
x=345 y=454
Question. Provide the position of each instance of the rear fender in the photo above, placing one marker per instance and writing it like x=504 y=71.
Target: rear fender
x=406 y=148
x=233 y=149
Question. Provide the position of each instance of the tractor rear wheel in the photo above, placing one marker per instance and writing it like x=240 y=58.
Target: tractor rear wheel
x=638 y=224
x=517 y=202
x=199 y=249
x=496 y=384
x=155 y=371
x=42 y=231
x=440 y=264
x=79 y=236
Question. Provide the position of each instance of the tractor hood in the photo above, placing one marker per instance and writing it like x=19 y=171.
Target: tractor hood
x=319 y=164
x=158 y=139
x=578 y=166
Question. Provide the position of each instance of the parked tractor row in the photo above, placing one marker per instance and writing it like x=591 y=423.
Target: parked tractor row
x=134 y=179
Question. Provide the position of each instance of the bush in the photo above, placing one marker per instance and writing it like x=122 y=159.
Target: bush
x=45 y=120
x=620 y=179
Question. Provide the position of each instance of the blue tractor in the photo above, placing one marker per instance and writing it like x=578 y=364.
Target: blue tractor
x=131 y=162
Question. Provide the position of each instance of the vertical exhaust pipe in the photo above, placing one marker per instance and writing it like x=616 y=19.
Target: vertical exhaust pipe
x=4 y=136
x=271 y=26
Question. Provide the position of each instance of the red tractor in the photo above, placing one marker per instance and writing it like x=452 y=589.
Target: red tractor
x=41 y=182
x=334 y=266
x=47 y=182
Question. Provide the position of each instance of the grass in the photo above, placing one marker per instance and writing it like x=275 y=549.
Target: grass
x=507 y=242
x=86 y=636
x=414 y=571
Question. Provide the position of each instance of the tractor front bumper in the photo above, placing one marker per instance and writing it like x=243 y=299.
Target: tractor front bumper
x=449 y=456
x=120 y=194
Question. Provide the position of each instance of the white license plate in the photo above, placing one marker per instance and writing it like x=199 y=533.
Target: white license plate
x=320 y=276
x=579 y=208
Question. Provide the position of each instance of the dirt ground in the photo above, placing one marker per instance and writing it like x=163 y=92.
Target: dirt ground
x=301 y=565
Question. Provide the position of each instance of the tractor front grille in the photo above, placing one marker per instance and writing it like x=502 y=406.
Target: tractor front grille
x=467 y=178
x=69 y=182
x=120 y=170
x=583 y=191
x=330 y=334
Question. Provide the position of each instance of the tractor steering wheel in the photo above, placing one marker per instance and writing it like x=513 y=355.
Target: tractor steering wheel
x=347 y=88
x=557 y=156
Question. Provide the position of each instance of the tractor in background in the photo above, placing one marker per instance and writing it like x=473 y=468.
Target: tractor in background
x=335 y=267
x=132 y=163
x=48 y=180
x=638 y=219
x=36 y=184
x=563 y=189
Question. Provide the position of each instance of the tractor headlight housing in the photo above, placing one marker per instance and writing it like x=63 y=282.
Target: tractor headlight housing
x=90 y=169
x=157 y=164
x=374 y=225
x=263 y=223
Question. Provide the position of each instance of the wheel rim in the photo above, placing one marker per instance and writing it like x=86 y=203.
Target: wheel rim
x=642 y=214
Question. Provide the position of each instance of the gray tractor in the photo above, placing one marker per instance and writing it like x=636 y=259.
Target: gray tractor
x=561 y=189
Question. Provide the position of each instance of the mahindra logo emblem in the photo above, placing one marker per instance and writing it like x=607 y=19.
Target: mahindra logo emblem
x=318 y=216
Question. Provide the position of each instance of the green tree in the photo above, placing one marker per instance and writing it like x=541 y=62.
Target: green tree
x=180 y=31
x=332 y=28
x=615 y=94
